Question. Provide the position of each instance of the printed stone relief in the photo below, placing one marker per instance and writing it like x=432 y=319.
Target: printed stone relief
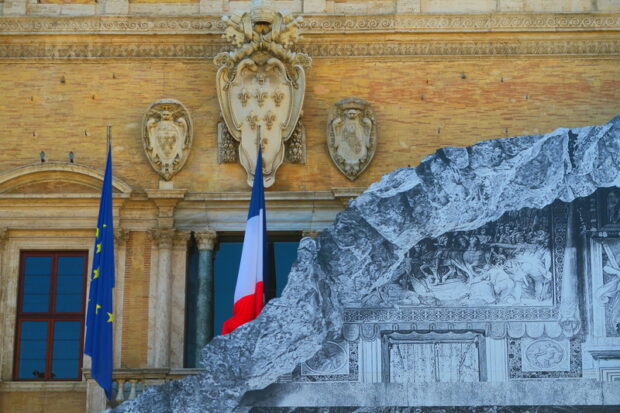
x=609 y=292
x=261 y=83
x=545 y=355
x=504 y=263
x=544 y=358
x=167 y=136
x=331 y=359
x=432 y=357
x=336 y=361
x=351 y=136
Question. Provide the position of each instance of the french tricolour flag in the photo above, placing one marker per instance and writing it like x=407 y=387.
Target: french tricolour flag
x=249 y=298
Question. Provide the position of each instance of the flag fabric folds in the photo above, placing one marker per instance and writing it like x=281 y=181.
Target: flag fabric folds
x=100 y=315
x=249 y=298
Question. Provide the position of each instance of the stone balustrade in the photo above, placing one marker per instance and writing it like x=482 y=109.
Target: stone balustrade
x=127 y=384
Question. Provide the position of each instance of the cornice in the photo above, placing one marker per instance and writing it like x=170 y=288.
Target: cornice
x=317 y=25
x=206 y=51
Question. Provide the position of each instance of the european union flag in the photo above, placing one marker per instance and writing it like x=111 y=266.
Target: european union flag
x=100 y=315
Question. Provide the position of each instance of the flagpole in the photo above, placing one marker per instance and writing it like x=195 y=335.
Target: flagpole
x=109 y=137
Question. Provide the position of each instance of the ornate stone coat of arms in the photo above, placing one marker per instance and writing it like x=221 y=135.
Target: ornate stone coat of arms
x=351 y=136
x=167 y=136
x=261 y=83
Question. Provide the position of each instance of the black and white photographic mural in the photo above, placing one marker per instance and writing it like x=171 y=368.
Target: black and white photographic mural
x=485 y=277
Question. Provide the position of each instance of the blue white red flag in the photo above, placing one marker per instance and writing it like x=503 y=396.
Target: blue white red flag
x=249 y=297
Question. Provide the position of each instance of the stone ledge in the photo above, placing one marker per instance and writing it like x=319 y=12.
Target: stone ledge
x=37 y=386
x=317 y=25
x=561 y=392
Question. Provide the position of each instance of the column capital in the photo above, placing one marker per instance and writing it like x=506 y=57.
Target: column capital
x=180 y=238
x=4 y=236
x=162 y=236
x=206 y=239
x=121 y=236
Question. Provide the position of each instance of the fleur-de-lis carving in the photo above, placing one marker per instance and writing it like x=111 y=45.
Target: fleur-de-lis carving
x=252 y=120
x=277 y=96
x=244 y=96
x=269 y=119
x=260 y=97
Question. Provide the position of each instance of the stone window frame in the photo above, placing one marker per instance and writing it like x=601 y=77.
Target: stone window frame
x=49 y=316
x=9 y=296
x=389 y=337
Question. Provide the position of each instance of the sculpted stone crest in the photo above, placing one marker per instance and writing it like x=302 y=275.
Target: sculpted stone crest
x=167 y=136
x=261 y=83
x=351 y=135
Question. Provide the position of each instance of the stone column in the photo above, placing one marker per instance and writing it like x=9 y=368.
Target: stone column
x=203 y=296
x=161 y=347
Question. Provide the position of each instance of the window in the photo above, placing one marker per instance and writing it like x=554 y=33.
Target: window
x=282 y=254
x=50 y=316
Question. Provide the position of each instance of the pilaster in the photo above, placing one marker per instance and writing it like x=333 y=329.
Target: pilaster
x=3 y=294
x=177 y=317
x=160 y=312
x=121 y=236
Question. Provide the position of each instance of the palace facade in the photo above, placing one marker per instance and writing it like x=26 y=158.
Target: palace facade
x=354 y=90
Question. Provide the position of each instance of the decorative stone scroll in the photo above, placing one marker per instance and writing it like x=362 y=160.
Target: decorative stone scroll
x=261 y=84
x=351 y=136
x=167 y=136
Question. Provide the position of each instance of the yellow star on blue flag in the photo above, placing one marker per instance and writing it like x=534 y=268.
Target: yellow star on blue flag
x=99 y=315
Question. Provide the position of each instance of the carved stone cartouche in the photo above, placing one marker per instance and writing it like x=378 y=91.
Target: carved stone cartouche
x=261 y=83
x=167 y=136
x=351 y=136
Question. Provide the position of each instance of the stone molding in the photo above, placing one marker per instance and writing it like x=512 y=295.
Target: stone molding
x=80 y=174
x=206 y=239
x=162 y=237
x=421 y=49
x=431 y=23
x=4 y=236
x=121 y=236
x=180 y=238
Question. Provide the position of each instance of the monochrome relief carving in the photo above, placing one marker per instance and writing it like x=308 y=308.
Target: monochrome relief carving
x=504 y=263
x=351 y=136
x=609 y=292
x=167 y=136
x=261 y=83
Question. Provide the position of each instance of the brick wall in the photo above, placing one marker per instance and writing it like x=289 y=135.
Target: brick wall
x=135 y=303
x=421 y=105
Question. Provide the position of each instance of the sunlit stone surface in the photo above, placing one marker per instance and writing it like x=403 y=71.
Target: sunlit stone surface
x=366 y=280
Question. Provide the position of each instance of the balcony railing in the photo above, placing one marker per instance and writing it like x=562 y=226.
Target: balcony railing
x=127 y=384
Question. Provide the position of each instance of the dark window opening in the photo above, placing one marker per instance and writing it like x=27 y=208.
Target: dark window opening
x=282 y=252
x=50 y=316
